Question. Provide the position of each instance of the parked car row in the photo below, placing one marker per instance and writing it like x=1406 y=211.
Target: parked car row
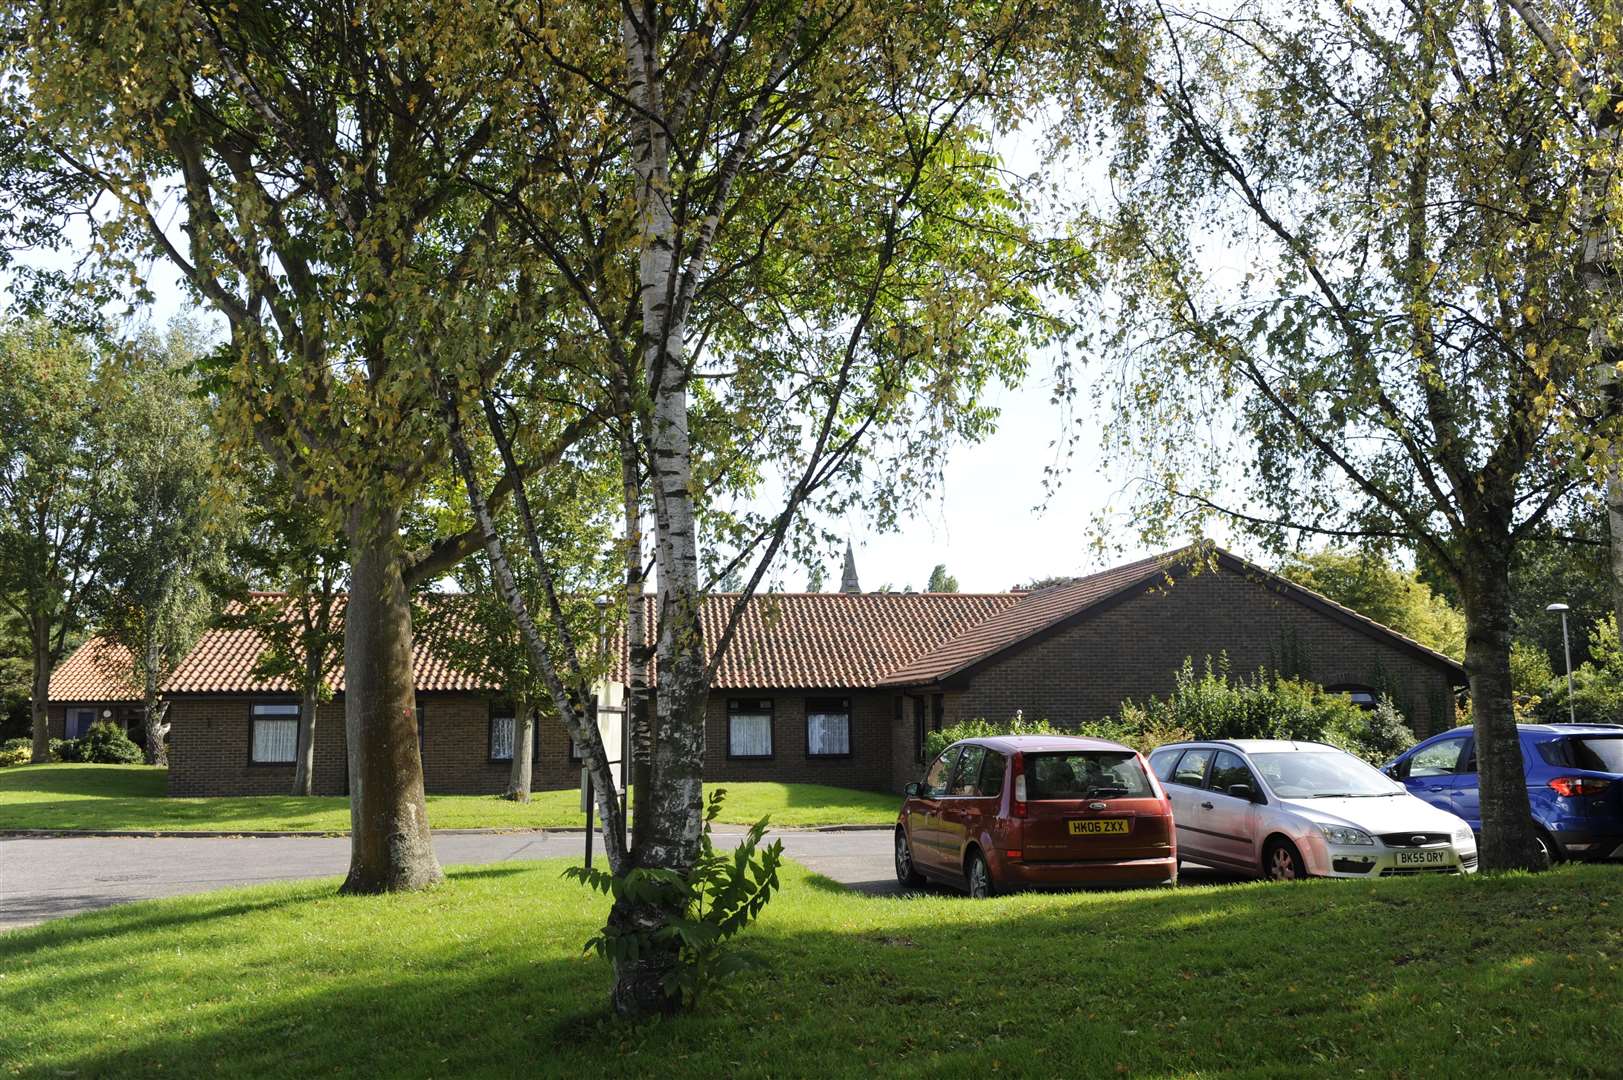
x=1010 y=811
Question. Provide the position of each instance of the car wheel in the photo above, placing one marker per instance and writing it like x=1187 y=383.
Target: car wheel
x=1547 y=853
x=1282 y=862
x=979 y=877
x=906 y=874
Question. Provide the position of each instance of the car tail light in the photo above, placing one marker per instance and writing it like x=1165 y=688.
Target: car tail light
x=1579 y=785
x=1012 y=853
x=1018 y=767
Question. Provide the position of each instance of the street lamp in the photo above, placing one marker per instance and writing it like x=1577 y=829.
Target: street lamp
x=1566 y=645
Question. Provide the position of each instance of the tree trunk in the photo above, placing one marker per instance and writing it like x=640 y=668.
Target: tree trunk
x=304 y=761
x=154 y=709
x=1509 y=840
x=637 y=710
x=518 y=783
x=391 y=847
x=38 y=708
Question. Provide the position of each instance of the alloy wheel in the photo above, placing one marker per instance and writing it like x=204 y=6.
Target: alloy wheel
x=980 y=878
x=1281 y=866
x=904 y=859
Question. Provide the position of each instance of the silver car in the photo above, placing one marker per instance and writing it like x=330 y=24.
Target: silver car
x=1287 y=810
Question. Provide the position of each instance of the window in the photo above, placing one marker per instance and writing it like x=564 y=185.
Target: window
x=1227 y=771
x=749 y=728
x=1086 y=774
x=992 y=774
x=1438 y=759
x=1161 y=763
x=1602 y=753
x=966 y=778
x=78 y=722
x=828 y=727
x=1191 y=769
x=275 y=733
x=935 y=781
x=502 y=728
x=1363 y=696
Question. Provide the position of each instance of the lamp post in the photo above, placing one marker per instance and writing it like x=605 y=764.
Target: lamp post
x=1566 y=645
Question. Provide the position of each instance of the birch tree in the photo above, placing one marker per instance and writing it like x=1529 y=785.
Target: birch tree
x=803 y=262
x=1344 y=239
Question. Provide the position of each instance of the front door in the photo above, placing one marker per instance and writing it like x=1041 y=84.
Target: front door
x=1430 y=771
x=1230 y=820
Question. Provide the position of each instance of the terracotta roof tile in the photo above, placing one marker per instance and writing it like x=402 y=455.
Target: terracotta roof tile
x=95 y=672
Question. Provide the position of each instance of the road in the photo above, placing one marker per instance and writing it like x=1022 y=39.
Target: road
x=46 y=878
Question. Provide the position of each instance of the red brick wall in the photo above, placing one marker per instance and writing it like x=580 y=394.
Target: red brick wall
x=1132 y=650
x=128 y=716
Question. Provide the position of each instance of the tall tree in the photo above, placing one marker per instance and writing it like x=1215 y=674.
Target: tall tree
x=167 y=524
x=1372 y=586
x=55 y=459
x=1405 y=349
x=305 y=168
x=940 y=580
x=802 y=264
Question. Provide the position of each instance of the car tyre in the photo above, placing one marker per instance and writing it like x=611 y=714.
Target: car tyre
x=907 y=875
x=1548 y=852
x=1282 y=862
x=978 y=876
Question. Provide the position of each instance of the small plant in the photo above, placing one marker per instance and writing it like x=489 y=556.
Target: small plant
x=106 y=744
x=719 y=896
x=15 y=752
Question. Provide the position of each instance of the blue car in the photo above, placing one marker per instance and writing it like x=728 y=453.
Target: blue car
x=1574 y=781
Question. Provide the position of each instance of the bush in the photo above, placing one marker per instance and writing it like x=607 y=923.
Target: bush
x=15 y=752
x=66 y=750
x=1212 y=705
x=720 y=896
x=106 y=744
x=937 y=741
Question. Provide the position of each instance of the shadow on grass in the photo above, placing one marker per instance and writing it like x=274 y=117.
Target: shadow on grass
x=1256 y=980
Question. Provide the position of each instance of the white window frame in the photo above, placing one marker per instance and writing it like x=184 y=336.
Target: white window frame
x=498 y=719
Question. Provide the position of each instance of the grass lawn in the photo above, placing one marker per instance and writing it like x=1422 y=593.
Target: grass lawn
x=1509 y=976
x=131 y=797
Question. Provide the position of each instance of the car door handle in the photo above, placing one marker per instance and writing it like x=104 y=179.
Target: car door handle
x=1434 y=789
x=1206 y=806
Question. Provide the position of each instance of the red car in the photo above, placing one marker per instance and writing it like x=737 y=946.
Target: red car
x=1036 y=810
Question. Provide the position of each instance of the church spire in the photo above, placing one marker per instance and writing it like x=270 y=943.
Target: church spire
x=848 y=580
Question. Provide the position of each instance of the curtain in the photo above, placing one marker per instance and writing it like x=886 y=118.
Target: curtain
x=501 y=738
x=828 y=732
x=275 y=740
x=750 y=735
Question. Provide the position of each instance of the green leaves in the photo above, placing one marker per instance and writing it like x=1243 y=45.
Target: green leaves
x=699 y=909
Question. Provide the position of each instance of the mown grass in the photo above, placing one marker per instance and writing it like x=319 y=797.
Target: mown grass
x=1507 y=976
x=117 y=797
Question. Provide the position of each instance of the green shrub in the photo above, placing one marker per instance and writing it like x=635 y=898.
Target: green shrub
x=66 y=750
x=15 y=752
x=106 y=744
x=937 y=741
x=1213 y=705
x=720 y=896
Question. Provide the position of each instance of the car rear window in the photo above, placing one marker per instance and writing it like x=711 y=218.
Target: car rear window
x=1598 y=753
x=1086 y=774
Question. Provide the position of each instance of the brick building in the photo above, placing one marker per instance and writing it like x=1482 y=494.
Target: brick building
x=832 y=688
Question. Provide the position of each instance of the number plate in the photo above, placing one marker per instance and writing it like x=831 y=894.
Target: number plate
x=1099 y=827
x=1436 y=857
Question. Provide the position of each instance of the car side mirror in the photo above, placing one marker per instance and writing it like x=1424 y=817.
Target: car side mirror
x=1391 y=770
x=1242 y=791
x=912 y=790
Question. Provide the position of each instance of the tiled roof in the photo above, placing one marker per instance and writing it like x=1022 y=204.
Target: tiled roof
x=1033 y=613
x=811 y=640
x=95 y=672
x=784 y=640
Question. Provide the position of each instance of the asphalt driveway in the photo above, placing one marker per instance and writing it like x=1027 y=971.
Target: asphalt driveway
x=46 y=878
